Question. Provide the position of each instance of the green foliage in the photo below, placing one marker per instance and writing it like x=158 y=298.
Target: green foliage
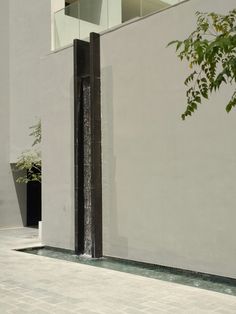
x=211 y=53
x=30 y=160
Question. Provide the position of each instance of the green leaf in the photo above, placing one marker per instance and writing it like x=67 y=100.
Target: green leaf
x=178 y=45
x=172 y=43
x=198 y=99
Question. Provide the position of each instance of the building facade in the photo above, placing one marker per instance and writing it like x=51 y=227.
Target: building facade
x=167 y=185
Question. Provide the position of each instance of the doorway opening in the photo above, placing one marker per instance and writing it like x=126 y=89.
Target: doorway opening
x=34 y=204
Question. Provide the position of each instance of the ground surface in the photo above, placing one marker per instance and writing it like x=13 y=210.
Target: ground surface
x=37 y=284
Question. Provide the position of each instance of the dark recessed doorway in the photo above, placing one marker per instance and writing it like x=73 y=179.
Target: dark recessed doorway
x=34 y=203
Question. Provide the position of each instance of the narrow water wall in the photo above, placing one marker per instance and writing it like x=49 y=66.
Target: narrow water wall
x=87 y=147
x=87 y=166
x=83 y=167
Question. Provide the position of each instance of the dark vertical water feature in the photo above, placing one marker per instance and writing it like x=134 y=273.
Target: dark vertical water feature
x=87 y=147
x=86 y=99
x=83 y=168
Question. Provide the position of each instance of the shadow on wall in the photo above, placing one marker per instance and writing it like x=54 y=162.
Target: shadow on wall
x=21 y=192
x=111 y=236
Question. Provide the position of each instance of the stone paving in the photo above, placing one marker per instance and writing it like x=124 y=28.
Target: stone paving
x=37 y=284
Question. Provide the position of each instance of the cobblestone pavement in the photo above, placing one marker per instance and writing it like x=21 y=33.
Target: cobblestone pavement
x=37 y=284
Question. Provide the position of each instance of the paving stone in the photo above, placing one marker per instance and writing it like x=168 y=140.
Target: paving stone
x=39 y=311
x=39 y=285
x=62 y=311
x=4 y=307
x=46 y=306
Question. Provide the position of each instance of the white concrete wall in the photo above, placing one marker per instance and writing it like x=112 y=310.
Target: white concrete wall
x=35 y=84
x=11 y=212
x=58 y=149
x=29 y=40
x=25 y=37
x=168 y=185
x=37 y=91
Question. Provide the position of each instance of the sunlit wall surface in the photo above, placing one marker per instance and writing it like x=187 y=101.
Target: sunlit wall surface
x=79 y=18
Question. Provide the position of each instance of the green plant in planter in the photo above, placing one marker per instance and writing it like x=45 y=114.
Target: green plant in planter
x=30 y=160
